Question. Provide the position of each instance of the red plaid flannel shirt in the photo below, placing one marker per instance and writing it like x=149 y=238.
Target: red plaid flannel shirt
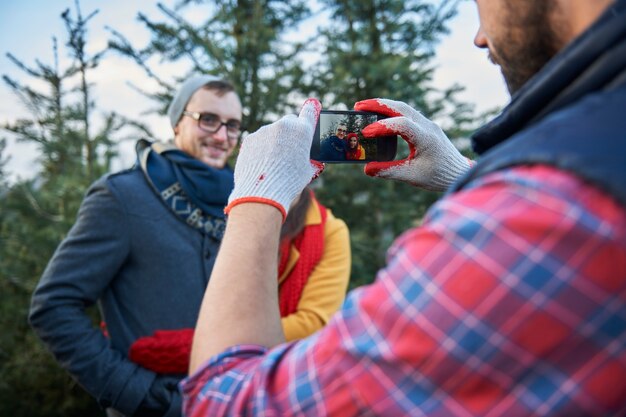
x=510 y=300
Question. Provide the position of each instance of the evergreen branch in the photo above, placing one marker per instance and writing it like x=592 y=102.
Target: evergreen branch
x=139 y=126
x=125 y=48
x=195 y=39
x=18 y=283
x=443 y=13
x=21 y=65
x=162 y=98
x=24 y=129
x=31 y=99
x=38 y=209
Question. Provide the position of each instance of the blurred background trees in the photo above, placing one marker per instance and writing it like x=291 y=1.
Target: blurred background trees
x=368 y=48
x=380 y=48
x=244 y=40
x=36 y=214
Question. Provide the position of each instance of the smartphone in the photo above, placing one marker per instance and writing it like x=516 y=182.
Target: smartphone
x=338 y=139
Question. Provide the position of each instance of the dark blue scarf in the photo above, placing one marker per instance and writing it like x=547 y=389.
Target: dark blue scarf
x=194 y=191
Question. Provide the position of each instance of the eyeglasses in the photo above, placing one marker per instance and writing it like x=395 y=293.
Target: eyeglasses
x=342 y=130
x=211 y=123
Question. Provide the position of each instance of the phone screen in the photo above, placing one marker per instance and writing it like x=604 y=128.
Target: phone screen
x=338 y=138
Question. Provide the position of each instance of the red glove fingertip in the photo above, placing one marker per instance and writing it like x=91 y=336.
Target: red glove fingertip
x=373 y=169
x=318 y=168
x=377 y=129
x=374 y=105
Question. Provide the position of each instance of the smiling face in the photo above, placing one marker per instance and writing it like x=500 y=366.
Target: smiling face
x=521 y=35
x=341 y=131
x=211 y=148
x=353 y=142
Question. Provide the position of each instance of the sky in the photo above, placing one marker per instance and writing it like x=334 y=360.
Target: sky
x=27 y=28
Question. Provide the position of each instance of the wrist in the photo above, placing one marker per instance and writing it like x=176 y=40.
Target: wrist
x=450 y=169
x=255 y=209
x=256 y=201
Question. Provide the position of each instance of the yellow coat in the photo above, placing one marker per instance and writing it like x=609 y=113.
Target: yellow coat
x=326 y=288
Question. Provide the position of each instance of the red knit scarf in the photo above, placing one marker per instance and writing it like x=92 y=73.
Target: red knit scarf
x=354 y=154
x=310 y=244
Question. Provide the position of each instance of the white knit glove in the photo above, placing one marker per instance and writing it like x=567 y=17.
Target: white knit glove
x=273 y=165
x=433 y=162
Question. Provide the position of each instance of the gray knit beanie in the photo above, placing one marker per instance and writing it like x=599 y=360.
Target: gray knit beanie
x=184 y=93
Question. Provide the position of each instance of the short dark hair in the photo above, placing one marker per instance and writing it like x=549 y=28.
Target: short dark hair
x=220 y=87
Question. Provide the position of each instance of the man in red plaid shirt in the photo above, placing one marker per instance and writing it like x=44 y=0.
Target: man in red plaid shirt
x=509 y=299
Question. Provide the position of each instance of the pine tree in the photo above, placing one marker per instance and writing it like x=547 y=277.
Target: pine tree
x=37 y=213
x=241 y=40
x=3 y=161
x=381 y=48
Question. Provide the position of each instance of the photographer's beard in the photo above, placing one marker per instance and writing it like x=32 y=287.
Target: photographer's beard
x=530 y=36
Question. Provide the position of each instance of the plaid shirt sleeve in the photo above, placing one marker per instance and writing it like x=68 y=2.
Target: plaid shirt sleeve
x=509 y=300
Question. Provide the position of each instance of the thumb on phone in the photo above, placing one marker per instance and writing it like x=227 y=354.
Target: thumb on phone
x=310 y=111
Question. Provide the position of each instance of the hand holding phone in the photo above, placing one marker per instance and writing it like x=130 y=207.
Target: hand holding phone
x=433 y=162
x=273 y=165
x=338 y=138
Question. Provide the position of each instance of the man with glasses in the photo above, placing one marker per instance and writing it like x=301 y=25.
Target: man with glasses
x=143 y=248
x=198 y=122
x=333 y=148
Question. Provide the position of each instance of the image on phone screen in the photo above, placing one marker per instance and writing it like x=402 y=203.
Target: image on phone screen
x=338 y=138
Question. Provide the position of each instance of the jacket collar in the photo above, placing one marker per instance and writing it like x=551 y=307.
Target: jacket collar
x=596 y=60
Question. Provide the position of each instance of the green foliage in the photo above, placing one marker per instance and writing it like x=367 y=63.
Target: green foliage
x=381 y=48
x=375 y=48
x=241 y=40
x=375 y=210
x=32 y=383
x=3 y=161
x=36 y=215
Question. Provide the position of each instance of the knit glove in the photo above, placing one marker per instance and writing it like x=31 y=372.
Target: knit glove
x=433 y=162
x=273 y=165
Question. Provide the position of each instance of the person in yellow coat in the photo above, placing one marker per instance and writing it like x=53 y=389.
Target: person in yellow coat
x=354 y=149
x=313 y=276
x=314 y=266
